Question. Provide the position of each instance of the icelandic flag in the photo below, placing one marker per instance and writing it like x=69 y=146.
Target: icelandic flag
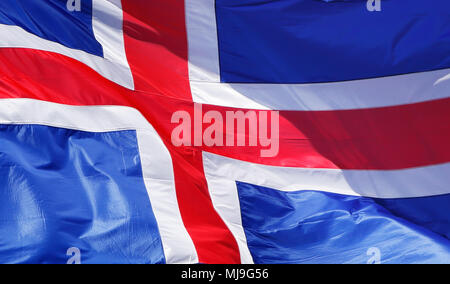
x=89 y=172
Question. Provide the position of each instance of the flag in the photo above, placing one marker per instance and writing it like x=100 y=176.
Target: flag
x=224 y=131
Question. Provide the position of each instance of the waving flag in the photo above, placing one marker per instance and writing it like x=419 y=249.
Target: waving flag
x=224 y=131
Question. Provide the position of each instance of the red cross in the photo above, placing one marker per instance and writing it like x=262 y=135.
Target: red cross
x=156 y=47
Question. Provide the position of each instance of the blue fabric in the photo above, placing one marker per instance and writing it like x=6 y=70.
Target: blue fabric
x=320 y=227
x=310 y=41
x=62 y=188
x=50 y=19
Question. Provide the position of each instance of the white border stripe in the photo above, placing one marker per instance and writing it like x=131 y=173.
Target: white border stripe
x=404 y=183
x=202 y=41
x=156 y=160
x=107 y=26
x=360 y=94
x=107 y=22
x=224 y=196
x=204 y=74
x=222 y=173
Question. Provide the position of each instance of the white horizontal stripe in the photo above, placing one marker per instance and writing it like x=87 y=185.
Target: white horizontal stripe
x=222 y=173
x=156 y=160
x=405 y=183
x=107 y=26
x=359 y=94
x=204 y=75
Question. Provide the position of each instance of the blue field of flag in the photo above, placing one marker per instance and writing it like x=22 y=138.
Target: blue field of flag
x=311 y=41
x=321 y=227
x=64 y=188
x=51 y=20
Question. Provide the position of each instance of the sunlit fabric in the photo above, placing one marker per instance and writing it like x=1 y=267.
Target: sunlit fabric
x=304 y=41
x=320 y=227
x=224 y=131
x=63 y=188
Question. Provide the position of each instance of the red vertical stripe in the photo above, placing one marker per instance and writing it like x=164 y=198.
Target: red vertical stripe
x=156 y=46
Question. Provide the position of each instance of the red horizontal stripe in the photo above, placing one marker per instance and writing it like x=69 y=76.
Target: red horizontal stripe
x=387 y=138
x=382 y=138
x=26 y=73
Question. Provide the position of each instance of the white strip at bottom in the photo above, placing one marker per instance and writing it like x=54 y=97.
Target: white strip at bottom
x=156 y=160
x=222 y=174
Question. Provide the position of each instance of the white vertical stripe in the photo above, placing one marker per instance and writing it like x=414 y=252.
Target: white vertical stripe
x=226 y=202
x=107 y=23
x=202 y=40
